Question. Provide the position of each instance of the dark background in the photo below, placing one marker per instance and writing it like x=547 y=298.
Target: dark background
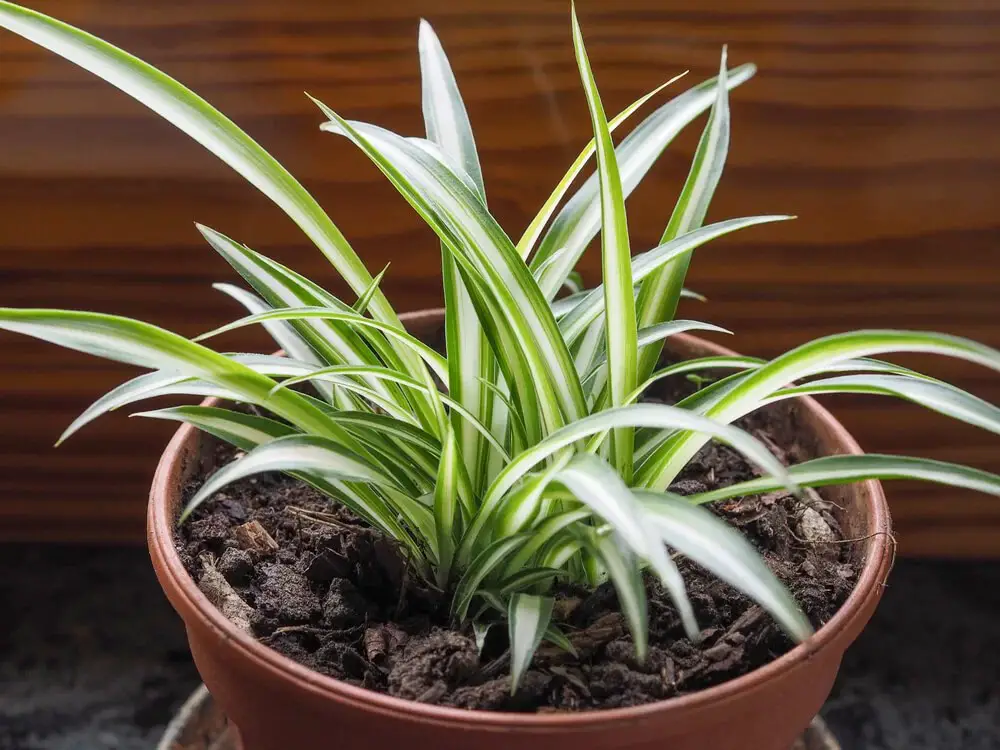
x=875 y=121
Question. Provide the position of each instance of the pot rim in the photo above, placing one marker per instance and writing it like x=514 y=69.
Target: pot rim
x=845 y=624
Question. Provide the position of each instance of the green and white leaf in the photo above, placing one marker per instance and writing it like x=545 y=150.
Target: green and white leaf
x=829 y=470
x=245 y=431
x=301 y=453
x=932 y=394
x=597 y=485
x=624 y=572
x=534 y=230
x=197 y=118
x=486 y=255
x=528 y=618
x=711 y=543
x=807 y=360
x=446 y=506
x=616 y=262
x=660 y=292
x=591 y=306
x=579 y=220
x=470 y=359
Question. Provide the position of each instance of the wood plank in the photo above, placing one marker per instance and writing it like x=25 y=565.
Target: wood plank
x=874 y=121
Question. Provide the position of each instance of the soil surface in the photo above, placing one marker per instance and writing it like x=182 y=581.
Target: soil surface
x=316 y=584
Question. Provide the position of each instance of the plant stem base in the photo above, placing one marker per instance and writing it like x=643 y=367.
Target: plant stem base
x=200 y=725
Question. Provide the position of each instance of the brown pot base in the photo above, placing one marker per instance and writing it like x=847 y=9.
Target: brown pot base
x=201 y=725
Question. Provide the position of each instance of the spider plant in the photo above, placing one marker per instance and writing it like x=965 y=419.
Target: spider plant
x=524 y=456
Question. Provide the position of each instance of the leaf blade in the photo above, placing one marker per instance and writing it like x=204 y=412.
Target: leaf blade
x=445 y=506
x=616 y=262
x=295 y=453
x=660 y=292
x=198 y=119
x=811 y=358
x=829 y=470
x=577 y=222
x=469 y=356
x=710 y=542
x=528 y=618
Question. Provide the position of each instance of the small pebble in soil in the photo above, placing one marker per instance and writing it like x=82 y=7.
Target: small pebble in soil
x=814 y=529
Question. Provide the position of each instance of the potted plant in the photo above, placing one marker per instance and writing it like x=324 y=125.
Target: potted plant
x=518 y=505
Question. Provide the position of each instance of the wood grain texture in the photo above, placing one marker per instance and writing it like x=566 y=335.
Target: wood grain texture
x=874 y=121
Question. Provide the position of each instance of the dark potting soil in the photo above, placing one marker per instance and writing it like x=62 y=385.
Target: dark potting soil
x=316 y=584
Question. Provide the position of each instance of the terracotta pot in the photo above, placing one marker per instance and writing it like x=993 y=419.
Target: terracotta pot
x=278 y=704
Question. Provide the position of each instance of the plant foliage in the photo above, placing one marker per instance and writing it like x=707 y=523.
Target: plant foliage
x=523 y=456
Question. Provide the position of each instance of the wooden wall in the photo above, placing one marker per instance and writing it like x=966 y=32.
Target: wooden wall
x=875 y=121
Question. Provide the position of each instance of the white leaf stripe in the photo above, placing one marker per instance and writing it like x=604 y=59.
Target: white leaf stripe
x=305 y=453
x=661 y=292
x=940 y=397
x=592 y=305
x=472 y=233
x=198 y=119
x=534 y=229
x=527 y=617
x=711 y=543
x=616 y=257
x=470 y=358
x=845 y=469
x=636 y=415
x=810 y=359
x=579 y=220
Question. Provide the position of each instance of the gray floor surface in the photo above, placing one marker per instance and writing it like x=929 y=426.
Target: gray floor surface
x=92 y=657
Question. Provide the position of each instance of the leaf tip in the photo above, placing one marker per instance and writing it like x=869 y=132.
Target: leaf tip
x=207 y=232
